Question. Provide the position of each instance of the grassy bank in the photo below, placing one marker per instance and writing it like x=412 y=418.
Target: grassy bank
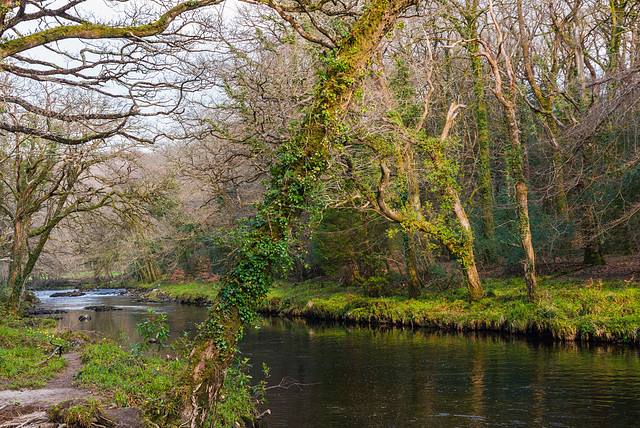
x=565 y=310
x=25 y=345
x=122 y=376
x=190 y=292
x=151 y=385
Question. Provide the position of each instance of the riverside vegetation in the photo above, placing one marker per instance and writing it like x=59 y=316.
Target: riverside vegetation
x=127 y=377
x=571 y=309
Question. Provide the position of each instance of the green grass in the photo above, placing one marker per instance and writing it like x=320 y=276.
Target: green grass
x=130 y=380
x=24 y=344
x=565 y=310
x=152 y=384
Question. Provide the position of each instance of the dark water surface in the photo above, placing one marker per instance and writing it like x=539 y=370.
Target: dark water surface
x=362 y=377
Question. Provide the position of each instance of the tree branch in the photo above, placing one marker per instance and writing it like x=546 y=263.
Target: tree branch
x=99 y=31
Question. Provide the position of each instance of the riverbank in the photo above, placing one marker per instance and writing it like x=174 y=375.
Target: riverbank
x=565 y=310
x=195 y=293
x=50 y=377
x=569 y=310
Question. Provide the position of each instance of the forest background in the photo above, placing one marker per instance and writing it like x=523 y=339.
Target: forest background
x=565 y=73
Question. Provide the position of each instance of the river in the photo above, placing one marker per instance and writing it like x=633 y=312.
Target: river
x=351 y=376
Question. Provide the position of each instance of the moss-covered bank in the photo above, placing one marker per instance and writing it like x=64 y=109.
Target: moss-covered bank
x=565 y=310
x=198 y=293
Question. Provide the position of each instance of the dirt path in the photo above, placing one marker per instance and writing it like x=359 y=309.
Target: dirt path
x=28 y=408
x=56 y=390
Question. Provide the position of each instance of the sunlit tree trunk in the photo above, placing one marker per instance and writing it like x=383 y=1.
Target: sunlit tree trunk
x=459 y=242
x=515 y=153
x=516 y=161
x=546 y=103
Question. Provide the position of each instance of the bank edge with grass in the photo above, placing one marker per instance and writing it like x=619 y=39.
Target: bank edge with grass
x=570 y=310
x=27 y=352
x=566 y=310
x=29 y=358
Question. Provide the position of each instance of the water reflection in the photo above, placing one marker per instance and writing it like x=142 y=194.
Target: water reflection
x=115 y=324
x=362 y=377
x=398 y=378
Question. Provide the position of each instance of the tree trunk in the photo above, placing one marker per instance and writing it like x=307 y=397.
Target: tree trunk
x=16 y=265
x=515 y=162
x=592 y=254
x=484 y=154
x=208 y=363
x=464 y=253
x=472 y=279
x=263 y=246
x=411 y=263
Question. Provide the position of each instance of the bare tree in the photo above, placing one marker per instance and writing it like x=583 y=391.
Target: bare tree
x=515 y=157
x=50 y=183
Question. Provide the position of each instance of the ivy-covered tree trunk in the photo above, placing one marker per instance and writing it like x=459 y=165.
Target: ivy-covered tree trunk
x=470 y=32
x=516 y=160
x=264 y=245
x=484 y=157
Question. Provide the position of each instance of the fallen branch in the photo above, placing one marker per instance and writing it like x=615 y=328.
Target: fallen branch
x=37 y=419
x=57 y=350
x=288 y=382
x=262 y=415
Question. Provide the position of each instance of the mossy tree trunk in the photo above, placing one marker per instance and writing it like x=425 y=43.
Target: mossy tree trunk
x=484 y=166
x=515 y=155
x=516 y=160
x=468 y=29
x=411 y=262
x=15 y=277
x=264 y=245
x=546 y=103
x=592 y=254
x=456 y=235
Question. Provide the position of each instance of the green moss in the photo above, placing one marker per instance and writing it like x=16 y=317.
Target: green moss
x=191 y=292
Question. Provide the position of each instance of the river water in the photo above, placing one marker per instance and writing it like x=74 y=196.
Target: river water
x=350 y=376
